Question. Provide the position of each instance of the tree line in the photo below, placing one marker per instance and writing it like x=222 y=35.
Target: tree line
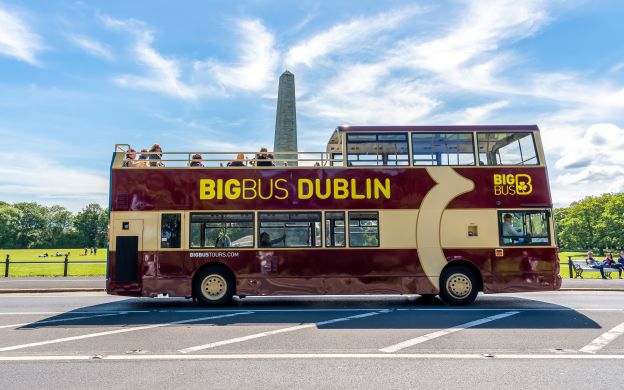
x=595 y=222
x=26 y=225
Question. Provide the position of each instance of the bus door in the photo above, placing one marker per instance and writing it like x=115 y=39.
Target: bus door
x=128 y=245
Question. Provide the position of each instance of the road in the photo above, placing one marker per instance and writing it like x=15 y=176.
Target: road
x=559 y=340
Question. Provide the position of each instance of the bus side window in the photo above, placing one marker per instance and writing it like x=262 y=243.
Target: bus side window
x=170 y=234
x=524 y=227
x=289 y=230
x=511 y=148
x=335 y=229
x=221 y=230
x=363 y=228
x=443 y=149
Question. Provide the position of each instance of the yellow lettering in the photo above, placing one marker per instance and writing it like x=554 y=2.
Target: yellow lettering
x=317 y=186
x=341 y=189
x=383 y=188
x=498 y=179
x=206 y=189
x=284 y=190
x=232 y=189
x=368 y=189
x=354 y=193
x=219 y=188
x=270 y=188
x=251 y=188
x=307 y=192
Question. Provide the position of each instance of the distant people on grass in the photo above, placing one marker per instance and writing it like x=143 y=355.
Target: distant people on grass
x=264 y=158
x=196 y=161
x=85 y=251
x=595 y=263
x=156 y=155
x=239 y=162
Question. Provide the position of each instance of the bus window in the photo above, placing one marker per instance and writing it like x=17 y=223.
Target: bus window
x=372 y=149
x=222 y=230
x=443 y=149
x=363 y=228
x=524 y=227
x=289 y=230
x=170 y=231
x=507 y=149
x=335 y=229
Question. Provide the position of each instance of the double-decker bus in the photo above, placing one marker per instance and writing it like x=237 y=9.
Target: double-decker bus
x=429 y=210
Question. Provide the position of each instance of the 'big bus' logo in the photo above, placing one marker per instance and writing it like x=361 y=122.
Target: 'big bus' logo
x=509 y=184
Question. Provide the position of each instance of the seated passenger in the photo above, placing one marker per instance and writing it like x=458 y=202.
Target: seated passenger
x=266 y=242
x=223 y=241
x=156 y=156
x=196 y=161
x=509 y=231
x=264 y=158
x=142 y=161
x=239 y=162
x=130 y=160
x=620 y=264
x=595 y=263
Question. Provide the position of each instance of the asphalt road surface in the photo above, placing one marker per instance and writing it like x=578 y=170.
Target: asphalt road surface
x=559 y=340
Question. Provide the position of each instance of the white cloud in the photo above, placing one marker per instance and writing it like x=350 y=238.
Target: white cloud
x=16 y=38
x=91 y=46
x=344 y=36
x=256 y=66
x=162 y=74
x=28 y=175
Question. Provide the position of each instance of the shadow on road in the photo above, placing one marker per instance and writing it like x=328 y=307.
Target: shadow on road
x=408 y=312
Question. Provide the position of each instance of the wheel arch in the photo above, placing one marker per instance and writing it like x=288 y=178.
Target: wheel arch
x=220 y=265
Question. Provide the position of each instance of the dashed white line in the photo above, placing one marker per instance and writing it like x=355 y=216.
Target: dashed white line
x=294 y=356
x=440 y=333
x=133 y=329
x=59 y=320
x=604 y=339
x=278 y=331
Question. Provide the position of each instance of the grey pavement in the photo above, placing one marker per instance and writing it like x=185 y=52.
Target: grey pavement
x=555 y=340
x=68 y=284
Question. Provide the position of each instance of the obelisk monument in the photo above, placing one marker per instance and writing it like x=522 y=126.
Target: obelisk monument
x=286 y=119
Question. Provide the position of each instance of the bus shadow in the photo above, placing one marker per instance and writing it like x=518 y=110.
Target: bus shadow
x=399 y=312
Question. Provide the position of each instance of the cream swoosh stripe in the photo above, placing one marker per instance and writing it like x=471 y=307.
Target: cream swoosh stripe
x=450 y=185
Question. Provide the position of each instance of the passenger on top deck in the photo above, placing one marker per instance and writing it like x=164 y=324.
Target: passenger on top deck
x=156 y=156
x=264 y=158
x=196 y=161
x=130 y=160
x=142 y=161
x=239 y=162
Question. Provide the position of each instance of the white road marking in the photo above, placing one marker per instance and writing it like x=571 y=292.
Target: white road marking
x=293 y=356
x=59 y=320
x=604 y=339
x=440 y=333
x=278 y=331
x=133 y=329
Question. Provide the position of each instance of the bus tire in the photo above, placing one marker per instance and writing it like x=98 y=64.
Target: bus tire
x=213 y=286
x=458 y=286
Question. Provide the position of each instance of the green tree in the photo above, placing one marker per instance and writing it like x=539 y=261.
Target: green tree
x=92 y=224
x=9 y=218
x=59 y=222
x=32 y=224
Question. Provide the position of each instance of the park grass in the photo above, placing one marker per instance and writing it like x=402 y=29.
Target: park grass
x=21 y=255
x=76 y=255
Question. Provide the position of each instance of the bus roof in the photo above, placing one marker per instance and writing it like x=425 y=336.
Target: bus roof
x=347 y=128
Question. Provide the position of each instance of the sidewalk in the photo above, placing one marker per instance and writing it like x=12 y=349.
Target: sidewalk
x=77 y=283
x=52 y=284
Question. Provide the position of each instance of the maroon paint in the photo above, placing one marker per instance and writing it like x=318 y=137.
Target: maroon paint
x=331 y=271
x=178 y=189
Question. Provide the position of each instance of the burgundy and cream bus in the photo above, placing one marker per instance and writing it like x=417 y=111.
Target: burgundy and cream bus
x=429 y=210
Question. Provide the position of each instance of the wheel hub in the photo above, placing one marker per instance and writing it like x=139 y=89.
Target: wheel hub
x=214 y=287
x=459 y=285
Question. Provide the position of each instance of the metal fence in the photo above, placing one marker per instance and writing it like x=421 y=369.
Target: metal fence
x=66 y=262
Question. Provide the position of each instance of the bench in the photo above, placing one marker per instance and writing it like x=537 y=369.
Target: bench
x=580 y=266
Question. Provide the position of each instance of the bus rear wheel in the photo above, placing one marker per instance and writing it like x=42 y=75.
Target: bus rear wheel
x=213 y=286
x=458 y=286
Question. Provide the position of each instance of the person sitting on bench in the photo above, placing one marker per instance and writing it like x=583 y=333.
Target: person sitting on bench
x=595 y=263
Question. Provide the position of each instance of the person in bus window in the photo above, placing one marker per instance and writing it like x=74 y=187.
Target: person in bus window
x=595 y=263
x=156 y=156
x=264 y=158
x=239 y=162
x=509 y=231
x=266 y=242
x=130 y=160
x=196 y=161
x=223 y=240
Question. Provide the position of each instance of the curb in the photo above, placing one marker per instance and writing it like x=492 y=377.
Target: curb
x=591 y=289
x=48 y=290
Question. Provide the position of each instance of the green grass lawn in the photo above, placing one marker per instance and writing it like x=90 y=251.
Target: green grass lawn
x=76 y=255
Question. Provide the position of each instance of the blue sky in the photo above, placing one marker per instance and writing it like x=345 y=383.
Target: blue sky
x=76 y=77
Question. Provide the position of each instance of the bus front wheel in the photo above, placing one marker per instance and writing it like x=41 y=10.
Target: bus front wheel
x=213 y=286
x=458 y=286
